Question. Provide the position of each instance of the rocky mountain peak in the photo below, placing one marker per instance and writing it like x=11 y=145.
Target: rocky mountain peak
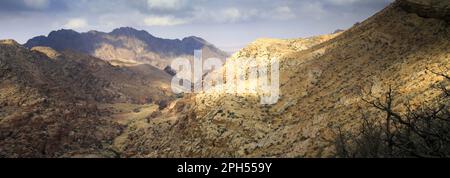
x=195 y=38
x=195 y=42
x=129 y=31
x=94 y=32
x=9 y=42
x=64 y=32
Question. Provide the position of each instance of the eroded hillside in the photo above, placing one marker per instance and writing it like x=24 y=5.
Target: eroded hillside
x=322 y=88
x=57 y=102
x=51 y=103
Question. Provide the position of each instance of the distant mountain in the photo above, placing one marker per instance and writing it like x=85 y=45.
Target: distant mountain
x=127 y=46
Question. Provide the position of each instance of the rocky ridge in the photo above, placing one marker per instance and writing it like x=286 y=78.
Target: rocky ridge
x=127 y=46
x=322 y=89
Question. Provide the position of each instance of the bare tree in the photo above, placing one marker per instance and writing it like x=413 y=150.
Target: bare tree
x=420 y=132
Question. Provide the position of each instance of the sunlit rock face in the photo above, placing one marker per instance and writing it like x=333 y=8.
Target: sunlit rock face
x=428 y=8
x=321 y=84
x=49 y=52
x=8 y=42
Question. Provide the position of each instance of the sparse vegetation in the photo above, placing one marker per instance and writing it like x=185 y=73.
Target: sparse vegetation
x=423 y=131
x=56 y=103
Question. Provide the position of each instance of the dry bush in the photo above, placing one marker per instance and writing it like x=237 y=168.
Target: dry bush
x=420 y=132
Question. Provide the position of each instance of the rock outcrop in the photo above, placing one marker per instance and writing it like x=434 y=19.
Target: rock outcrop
x=9 y=42
x=439 y=9
x=49 y=52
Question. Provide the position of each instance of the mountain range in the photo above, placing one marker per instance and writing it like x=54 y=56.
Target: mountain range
x=127 y=46
x=101 y=94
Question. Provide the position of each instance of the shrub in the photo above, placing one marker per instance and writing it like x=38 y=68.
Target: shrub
x=420 y=132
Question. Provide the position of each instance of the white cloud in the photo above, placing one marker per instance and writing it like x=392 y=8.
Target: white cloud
x=283 y=13
x=313 y=9
x=236 y=15
x=350 y=2
x=165 y=4
x=37 y=4
x=231 y=14
x=163 y=21
x=343 y=2
x=76 y=23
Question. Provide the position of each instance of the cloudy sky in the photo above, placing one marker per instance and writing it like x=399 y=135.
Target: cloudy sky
x=229 y=24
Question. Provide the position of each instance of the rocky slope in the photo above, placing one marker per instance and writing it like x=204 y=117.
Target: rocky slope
x=428 y=8
x=127 y=46
x=61 y=103
x=322 y=87
x=49 y=101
